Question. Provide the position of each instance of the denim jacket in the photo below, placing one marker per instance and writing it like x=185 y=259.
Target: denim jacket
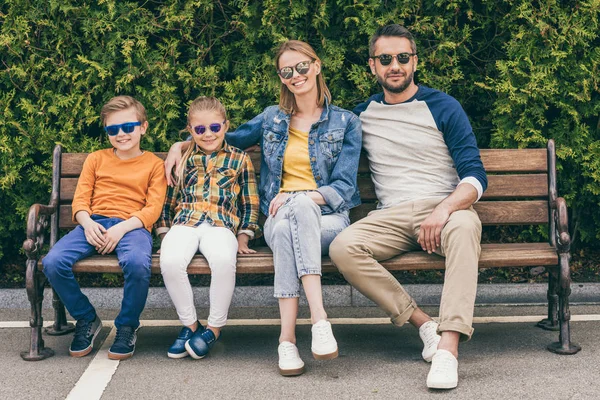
x=334 y=144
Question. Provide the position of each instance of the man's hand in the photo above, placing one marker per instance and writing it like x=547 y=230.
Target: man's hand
x=430 y=234
x=94 y=233
x=243 y=244
x=112 y=237
x=277 y=202
x=172 y=162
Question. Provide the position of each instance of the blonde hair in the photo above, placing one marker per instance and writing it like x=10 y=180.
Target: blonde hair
x=120 y=103
x=201 y=104
x=287 y=100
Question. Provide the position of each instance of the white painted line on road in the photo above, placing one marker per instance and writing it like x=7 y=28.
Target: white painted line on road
x=335 y=321
x=97 y=375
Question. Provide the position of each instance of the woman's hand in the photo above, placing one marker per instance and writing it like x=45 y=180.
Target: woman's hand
x=172 y=161
x=277 y=202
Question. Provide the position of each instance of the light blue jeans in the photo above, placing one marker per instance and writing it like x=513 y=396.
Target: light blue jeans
x=298 y=235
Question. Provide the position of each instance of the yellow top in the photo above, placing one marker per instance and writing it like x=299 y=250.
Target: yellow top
x=297 y=172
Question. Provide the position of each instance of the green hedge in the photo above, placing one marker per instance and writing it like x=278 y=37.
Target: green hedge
x=524 y=71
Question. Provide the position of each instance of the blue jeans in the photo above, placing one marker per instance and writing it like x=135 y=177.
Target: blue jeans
x=134 y=252
x=298 y=235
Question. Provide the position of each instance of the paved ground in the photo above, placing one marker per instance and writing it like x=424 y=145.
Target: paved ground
x=503 y=361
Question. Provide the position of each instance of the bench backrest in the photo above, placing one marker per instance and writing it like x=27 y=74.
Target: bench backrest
x=517 y=192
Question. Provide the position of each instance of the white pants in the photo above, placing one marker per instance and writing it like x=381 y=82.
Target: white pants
x=219 y=246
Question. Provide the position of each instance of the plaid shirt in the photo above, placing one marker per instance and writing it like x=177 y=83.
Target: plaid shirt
x=219 y=188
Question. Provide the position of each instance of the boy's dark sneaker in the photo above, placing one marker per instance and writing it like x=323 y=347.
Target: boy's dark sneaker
x=200 y=343
x=177 y=350
x=124 y=344
x=85 y=334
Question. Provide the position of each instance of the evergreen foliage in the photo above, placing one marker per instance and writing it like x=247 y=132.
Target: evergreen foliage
x=524 y=71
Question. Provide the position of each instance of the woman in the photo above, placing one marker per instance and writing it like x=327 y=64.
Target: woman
x=310 y=152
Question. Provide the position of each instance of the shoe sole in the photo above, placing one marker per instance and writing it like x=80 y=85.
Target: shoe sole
x=444 y=386
x=292 y=372
x=119 y=356
x=329 y=356
x=87 y=350
x=177 y=356
x=191 y=352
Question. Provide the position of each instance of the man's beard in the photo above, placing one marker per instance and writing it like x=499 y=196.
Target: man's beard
x=398 y=88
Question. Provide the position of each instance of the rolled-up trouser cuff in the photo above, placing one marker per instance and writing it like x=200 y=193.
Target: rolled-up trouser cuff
x=301 y=273
x=405 y=315
x=286 y=295
x=465 y=331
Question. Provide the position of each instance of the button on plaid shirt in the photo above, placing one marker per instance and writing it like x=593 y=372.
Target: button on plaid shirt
x=219 y=188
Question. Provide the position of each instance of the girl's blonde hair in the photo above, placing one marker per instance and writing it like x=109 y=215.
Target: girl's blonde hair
x=287 y=100
x=201 y=104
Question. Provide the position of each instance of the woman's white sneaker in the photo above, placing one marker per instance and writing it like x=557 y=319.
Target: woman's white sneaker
x=290 y=363
x=430 y=338
x=444 y=371
x=324 y=346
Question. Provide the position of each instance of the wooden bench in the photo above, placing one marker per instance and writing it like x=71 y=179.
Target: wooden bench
x=521 y=191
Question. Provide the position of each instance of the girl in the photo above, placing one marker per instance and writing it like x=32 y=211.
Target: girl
x=310 y=151
x=212 y=208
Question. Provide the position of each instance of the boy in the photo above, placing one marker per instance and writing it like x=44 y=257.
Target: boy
x=119 y=196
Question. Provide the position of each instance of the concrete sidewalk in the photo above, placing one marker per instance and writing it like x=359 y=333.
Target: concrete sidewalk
x=333 y=296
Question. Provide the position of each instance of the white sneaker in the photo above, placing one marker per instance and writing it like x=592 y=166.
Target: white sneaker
x=290 y=363
x=430 y=338
x=444 y=371
x=324 y=346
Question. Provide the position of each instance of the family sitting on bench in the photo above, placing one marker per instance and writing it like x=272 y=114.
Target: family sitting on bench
x=427 y=174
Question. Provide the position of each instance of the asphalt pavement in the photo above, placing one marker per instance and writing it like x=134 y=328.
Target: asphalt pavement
x=504 y=360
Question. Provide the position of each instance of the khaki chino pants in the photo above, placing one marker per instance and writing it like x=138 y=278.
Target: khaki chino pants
x=386 y=233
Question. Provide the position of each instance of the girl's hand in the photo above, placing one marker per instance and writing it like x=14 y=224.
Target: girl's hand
x=277 y=202
x=112 y=237
x=243 y=244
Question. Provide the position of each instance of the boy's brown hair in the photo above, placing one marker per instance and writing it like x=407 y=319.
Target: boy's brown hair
x=120 y=103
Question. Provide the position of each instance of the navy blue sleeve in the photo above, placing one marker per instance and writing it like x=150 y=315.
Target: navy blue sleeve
x=453 y=122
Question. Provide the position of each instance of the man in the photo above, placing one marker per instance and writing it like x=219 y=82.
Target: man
x=427 y=173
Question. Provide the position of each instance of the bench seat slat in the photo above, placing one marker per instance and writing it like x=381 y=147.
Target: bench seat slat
x=492 y=255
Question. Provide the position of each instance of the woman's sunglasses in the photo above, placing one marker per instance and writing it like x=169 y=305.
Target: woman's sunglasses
x=200 y=129
x=127 y=127
x=302 y=68
x=386 y=59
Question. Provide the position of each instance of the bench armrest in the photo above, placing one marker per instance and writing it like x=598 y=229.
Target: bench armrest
x=563 y=239
x=37 y=224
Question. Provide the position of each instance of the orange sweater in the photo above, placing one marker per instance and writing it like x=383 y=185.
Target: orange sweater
x=118 y=188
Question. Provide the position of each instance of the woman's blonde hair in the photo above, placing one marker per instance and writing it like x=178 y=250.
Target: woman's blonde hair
x=201 y=104
x=287 y=100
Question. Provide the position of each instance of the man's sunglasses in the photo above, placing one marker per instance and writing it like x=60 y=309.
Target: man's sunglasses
x=127 y=127
x=200 y=129
x=302 y=68
x=386 y=59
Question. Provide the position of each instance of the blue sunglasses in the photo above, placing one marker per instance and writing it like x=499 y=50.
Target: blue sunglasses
x=127 y=127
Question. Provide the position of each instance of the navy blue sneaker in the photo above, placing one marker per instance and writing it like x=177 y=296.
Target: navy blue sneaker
x=177 y=349
x=200 y=343
x=85 y=334
x=124 y=344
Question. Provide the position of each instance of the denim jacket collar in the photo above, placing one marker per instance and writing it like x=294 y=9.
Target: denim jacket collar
x=283 y=116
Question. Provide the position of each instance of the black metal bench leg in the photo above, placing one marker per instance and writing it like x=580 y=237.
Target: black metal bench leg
x=35 y=293
x=564 y=345
x=551 y=323
x=60 y=326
